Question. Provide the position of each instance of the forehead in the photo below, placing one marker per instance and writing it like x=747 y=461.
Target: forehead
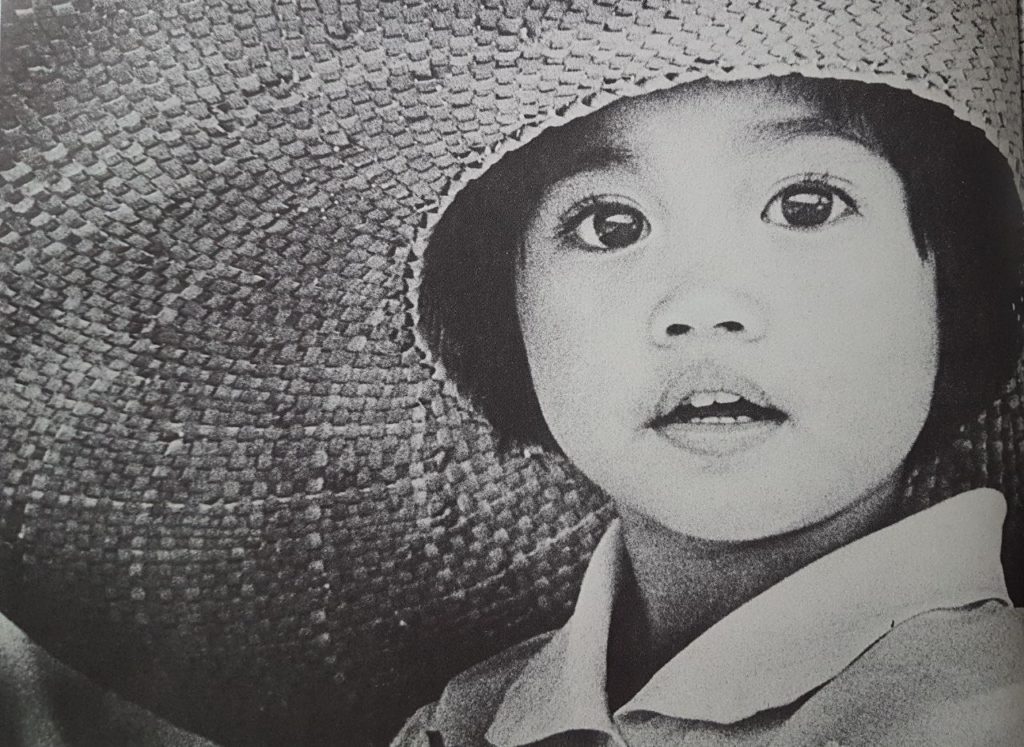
x=744 y=117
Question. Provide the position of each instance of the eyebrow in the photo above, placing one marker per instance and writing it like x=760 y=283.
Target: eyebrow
x=787 y=130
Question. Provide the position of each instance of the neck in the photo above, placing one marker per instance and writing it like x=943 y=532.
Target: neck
x=682 y=586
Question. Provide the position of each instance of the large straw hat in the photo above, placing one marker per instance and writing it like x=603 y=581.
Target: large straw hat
x=234 y=486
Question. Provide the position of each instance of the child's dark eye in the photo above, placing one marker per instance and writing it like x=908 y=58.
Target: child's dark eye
x=804 y=206
x=607 y=227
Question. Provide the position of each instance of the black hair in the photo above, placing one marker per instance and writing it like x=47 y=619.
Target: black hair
x=964 y=212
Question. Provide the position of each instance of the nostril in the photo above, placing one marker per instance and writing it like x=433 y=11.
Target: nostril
x=702 y=315
x=674 y=330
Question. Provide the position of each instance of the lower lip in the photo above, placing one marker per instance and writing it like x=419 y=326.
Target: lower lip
x=719 y=439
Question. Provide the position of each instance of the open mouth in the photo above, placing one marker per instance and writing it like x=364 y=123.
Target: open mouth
x=718 y=408
x=718 y=422
x=711 y=410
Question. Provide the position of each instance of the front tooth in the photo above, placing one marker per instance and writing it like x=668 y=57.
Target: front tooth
x=702 y=399
x=726 y=398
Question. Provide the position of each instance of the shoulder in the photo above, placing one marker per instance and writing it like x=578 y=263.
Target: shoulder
x=467 y=706
x=968 y=678
x=945 y=677
x=981 y=643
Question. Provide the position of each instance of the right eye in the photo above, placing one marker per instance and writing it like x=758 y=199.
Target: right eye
x=606 y=227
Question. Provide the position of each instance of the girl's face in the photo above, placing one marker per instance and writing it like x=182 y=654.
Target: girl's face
x=727 y=321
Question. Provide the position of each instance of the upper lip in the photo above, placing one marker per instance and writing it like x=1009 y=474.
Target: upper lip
x=706 y=376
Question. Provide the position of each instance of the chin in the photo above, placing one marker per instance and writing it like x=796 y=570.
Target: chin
x=731 y=515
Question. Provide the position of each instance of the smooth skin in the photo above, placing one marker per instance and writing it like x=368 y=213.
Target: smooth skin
x=726 y=238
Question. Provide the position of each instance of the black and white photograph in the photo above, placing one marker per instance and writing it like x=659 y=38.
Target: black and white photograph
x=569 y=373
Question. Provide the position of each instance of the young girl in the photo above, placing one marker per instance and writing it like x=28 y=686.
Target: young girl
x=748 y=311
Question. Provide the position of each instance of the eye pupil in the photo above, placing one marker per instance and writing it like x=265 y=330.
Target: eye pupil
x=616 y=228
x=807 y=207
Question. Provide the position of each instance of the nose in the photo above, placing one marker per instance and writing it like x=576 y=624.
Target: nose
x=705 y=313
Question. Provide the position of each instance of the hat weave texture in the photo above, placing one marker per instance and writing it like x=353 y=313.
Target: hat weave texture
x=232 y=484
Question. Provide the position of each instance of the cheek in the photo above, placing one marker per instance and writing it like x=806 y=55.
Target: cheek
x=574 y=327
x=551 y=314
x=880 y=348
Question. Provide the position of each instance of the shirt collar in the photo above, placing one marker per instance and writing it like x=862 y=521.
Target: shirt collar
x=763 y=655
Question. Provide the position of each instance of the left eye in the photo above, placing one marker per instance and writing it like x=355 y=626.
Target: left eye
x=805 y=206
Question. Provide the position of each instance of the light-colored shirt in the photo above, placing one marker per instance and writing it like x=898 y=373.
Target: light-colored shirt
x=905 y=636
